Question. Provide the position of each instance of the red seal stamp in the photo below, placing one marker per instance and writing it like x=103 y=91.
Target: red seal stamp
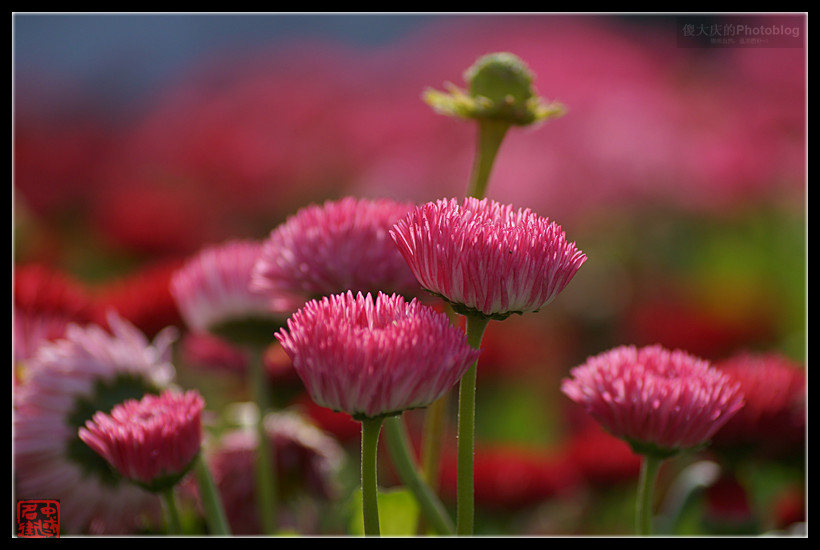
x=38 y=518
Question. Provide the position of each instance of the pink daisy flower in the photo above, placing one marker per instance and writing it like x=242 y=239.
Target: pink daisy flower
x=213 y=292
x=67 y=382
x=660 y=401
x=373 y=357
x=153 y=441
x=330 y=249
x=774 y=417
x=485 y=257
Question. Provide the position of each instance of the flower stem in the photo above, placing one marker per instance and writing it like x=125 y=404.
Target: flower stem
x=399 y=448
x=646 y=483
x=211 y=501
x=265 y=466
x=370 y=500
x=490 y=135
x=434 y=420
x=465 y=506
x=171 y=511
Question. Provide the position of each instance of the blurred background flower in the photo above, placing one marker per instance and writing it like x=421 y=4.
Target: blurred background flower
x=680 y=171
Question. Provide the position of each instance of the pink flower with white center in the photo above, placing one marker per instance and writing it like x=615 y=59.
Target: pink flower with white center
x=485 y=257
x=374 y=357
x=330 y=249
x=153 y=441
x=213 y=293
x=659 y=401
x=67 y=381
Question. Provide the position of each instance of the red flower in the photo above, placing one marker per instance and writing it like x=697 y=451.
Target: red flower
x=774 y=417
x=508 y=477
x=45 y=302
x=143 y=297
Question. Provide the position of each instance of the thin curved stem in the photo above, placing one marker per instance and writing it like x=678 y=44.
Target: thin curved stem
x=646 y=483
x=265 y=464
x=211 y=501
x=399 y=448
x=490 y=135
x=465 y=492
x=370 y=492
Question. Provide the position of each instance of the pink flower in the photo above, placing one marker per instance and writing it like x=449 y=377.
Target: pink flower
x=213 y=291
x=774 y=417
x=329 y=249
x=152 y=441
x=372 y=357
x=659 y=401
x=487 y=257
x=67 y=382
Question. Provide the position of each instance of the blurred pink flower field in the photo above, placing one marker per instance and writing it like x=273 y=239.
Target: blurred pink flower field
x=680 y=172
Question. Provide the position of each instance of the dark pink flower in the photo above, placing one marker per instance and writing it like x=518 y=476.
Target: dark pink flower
x=152 y=441
x=372 y=357
x=329 y=249
x=657 y=400
x=483 y=256
x=774 y=389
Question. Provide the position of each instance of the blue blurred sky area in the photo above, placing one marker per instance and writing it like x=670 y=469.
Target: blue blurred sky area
x=125 y=55
x=139 y=51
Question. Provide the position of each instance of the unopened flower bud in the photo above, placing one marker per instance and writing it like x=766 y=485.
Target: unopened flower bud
x=499 y=88
x=500 y=77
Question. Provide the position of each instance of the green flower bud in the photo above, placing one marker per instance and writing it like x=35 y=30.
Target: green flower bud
x=499 y=88
x=500 y=77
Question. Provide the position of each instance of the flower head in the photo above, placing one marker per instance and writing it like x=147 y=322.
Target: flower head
x=659 y=401
x=774 y=416
x=213 y=293
x=485 y=257
x=68 y=381
x=151 y=442
x=330 y=249
x=499 y=88
x=372 y=357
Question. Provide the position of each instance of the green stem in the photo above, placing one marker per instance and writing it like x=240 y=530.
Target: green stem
x=465 y=505
x=211 y=501
x=171 y=511
x=370 y=500
x=490 y=135
x=434 y=418
x=646 y=483
x=264 y=465
x=399 y=448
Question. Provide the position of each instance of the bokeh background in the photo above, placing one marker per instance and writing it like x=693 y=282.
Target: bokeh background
x=680 y=171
